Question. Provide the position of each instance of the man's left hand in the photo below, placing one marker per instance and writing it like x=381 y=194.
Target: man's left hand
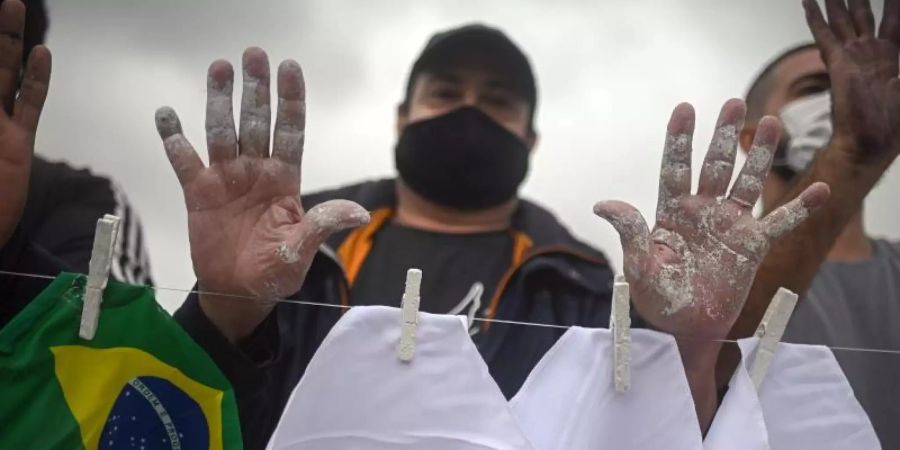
x=690 y=276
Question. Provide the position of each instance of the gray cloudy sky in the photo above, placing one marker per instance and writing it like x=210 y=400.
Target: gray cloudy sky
x=609 y=73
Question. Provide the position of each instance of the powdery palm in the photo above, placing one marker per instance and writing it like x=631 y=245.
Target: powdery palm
x=249 y=234
x=19 y=115
x=691 y=275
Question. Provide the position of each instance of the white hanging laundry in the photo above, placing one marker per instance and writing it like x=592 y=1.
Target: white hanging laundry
x=569 y=400
x=356 y=393
x=807 y=402
x=739 y=422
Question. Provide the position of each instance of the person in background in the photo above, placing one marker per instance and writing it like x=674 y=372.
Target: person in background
x=465 y=130
x=466 y=127
x=854 y=299
x=52 y=211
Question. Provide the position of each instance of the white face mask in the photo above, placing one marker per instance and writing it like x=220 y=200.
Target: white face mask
x=807 y=122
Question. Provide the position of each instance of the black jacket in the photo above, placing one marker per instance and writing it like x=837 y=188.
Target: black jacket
x=558 y=280
x=61 y=216
x=56 y=233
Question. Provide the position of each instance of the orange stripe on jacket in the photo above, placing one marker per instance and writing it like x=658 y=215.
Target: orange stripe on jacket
x=354 y=250
x=521 y=245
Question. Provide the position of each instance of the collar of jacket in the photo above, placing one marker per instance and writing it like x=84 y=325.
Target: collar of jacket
x=537 y=234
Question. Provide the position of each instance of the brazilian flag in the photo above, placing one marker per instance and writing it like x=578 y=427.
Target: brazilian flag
x=141 y=383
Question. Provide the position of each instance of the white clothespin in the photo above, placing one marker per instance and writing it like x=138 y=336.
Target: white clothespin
x=770 y=331
x=410 y=313
x=620 y=326
x=98 y=274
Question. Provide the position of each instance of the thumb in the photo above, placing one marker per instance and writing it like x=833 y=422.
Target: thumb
x=322 y=221
x=633 y=232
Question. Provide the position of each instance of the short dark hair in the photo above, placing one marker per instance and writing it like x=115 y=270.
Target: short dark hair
x=761 y=88
x=410 y=85
x=476 y=43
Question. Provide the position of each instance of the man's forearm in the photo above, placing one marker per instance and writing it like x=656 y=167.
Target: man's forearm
x=234 y=321
x=699 y=358
x=793 y=260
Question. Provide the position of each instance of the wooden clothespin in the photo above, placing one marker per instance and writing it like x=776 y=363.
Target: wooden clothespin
x=98 y=274
x=620 y=327
x=770 y=332
x=410 y=313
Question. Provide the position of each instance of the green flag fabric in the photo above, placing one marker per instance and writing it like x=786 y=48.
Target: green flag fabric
x=141 y=383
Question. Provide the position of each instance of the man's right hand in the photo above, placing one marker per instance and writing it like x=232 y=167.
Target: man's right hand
x=863 y=69
x=249 y=234
x=19 y=115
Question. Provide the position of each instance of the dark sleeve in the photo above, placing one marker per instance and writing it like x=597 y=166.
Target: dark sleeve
x=250 y=368
x=21 y=256
x=265 y=367
x=63 y=207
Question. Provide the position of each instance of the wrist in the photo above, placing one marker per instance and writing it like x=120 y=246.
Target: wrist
x=699 y=359
x=843 y=153
x=235 y=317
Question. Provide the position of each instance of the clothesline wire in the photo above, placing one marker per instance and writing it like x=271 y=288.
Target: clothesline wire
x=476 y=319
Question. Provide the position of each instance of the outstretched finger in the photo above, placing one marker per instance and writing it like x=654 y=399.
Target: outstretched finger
x=12 y=26
x=633 y=233
x=320 y=222
x=34 y=88
x=749 y=183
x=221 y=140
x=822 y=33
x=291 y=118
x=863 y=19
x=788 y=216
x=890 y=22
x=256 y=114
x=184 y=159
x=839 y=18
x=675 y=173
x=719 y=162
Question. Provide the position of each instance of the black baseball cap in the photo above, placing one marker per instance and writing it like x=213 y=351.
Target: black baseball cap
x=483 y=44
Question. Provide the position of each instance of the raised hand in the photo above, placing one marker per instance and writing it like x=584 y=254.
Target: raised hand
x=19 y=115
x=691 y=275
x=863 y=69
x=866 y=139
x=249 y=234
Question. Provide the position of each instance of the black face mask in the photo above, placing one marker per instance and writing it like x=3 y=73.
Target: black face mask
x=462 y=160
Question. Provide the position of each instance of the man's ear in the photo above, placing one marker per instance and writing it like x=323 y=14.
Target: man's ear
x=746 y=138
x=402 y=117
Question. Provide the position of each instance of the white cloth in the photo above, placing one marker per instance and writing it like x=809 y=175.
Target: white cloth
x=739 y=422
x=356 y=393
x=804 y=402
x=807 y=123
x=569 y=401
x=807 y=402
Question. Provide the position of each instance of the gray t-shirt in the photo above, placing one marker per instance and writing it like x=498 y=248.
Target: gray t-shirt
x=858 y=305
